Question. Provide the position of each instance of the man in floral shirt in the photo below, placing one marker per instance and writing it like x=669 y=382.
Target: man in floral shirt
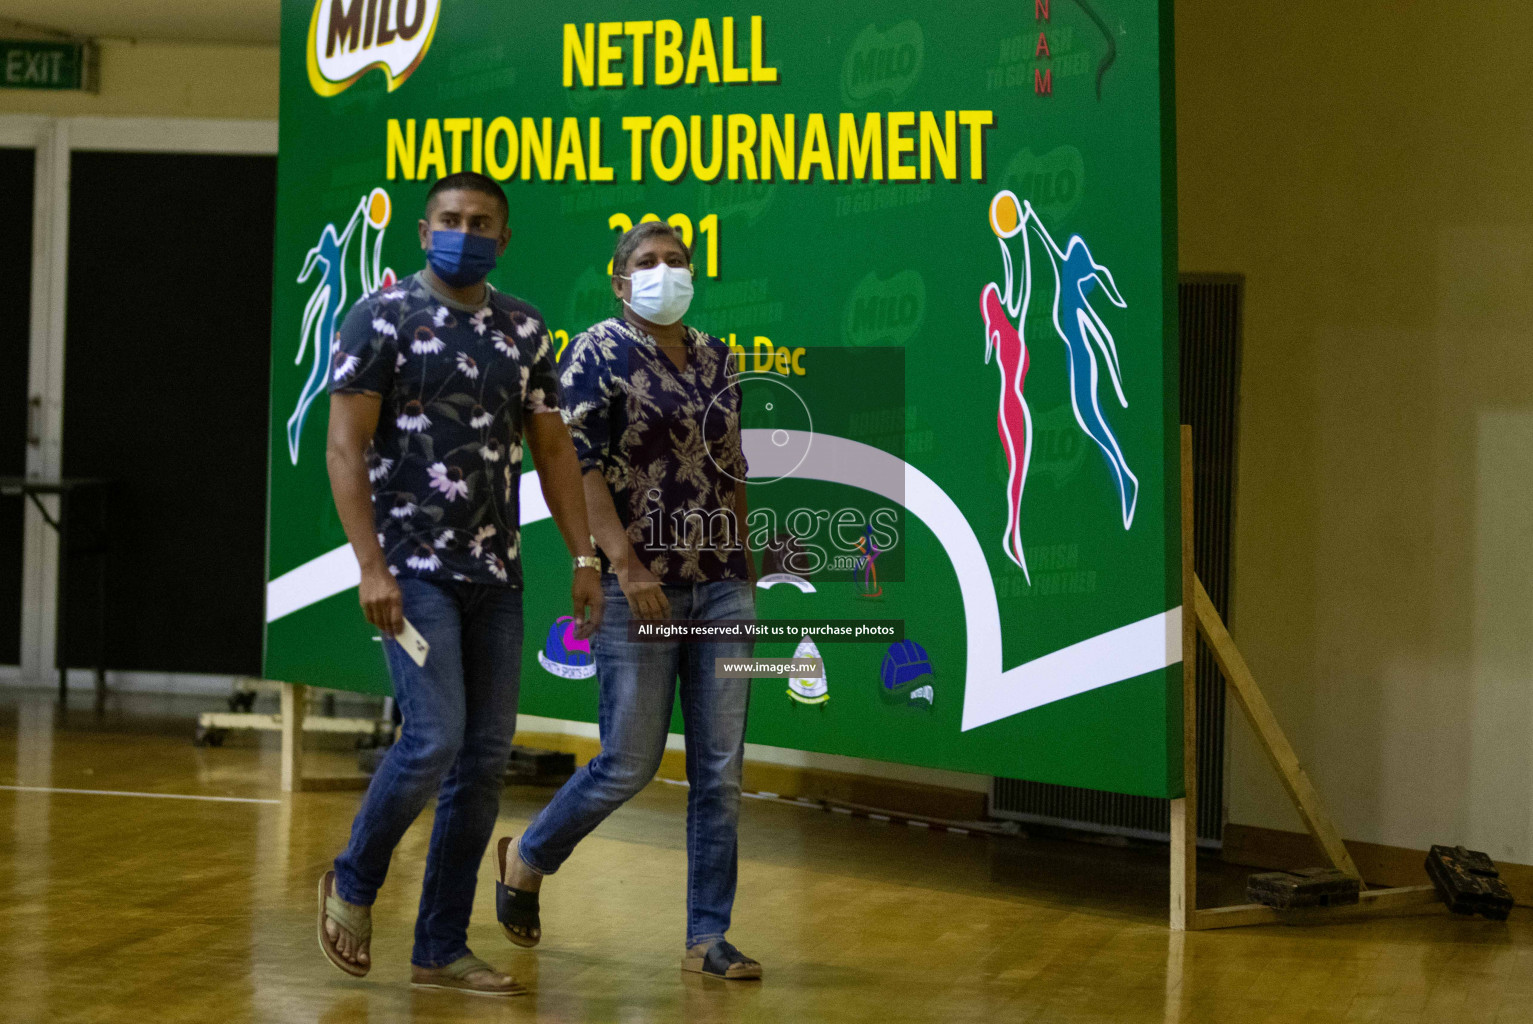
x=434 y=383
x=445 y=458
x=667 y=442
x=654 y=412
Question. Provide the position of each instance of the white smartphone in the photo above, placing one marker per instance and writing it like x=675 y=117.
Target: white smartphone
x=414 y=644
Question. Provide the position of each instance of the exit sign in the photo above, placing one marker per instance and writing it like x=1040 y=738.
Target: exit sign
x=30 y=64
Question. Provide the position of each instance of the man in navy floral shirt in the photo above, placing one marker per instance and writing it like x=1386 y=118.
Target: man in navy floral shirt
x=445 y=458
x=434 y=382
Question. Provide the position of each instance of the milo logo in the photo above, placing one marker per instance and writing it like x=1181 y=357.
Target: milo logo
x=1052 y=182
x=882 y=62
x=348 y=38
x=885 y=312
x=1059 y=447
x=727 y=198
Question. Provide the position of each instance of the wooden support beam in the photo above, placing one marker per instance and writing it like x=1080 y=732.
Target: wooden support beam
x=1373 y=901
x=1184 y=811
x=254 y=722
x=294 y=696
x=1296 y=781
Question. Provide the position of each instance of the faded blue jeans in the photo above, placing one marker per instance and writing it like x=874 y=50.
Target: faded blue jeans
x=459 y=715
x=637 y=682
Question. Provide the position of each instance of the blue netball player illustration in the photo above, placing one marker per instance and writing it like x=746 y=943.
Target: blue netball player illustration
x=1076 y=276
x=328 y=304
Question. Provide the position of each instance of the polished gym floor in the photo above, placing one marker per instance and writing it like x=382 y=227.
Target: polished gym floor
x=136 y=908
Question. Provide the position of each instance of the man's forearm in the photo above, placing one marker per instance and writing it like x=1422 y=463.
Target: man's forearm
x=559 y=475
x=353 y=502
x=562 y=492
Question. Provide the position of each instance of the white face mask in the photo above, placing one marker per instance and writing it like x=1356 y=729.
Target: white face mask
x=660 y=294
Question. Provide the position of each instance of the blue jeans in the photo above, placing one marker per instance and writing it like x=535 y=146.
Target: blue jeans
x=637 y=687
x=459 y=716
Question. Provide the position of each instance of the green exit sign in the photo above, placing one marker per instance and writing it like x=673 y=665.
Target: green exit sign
x=30 y=64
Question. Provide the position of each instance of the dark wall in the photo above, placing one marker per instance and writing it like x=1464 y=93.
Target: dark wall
x=16 y=167
x=168 y=339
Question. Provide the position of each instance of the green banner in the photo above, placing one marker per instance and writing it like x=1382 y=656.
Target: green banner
x=30 y=64
x=942 y=245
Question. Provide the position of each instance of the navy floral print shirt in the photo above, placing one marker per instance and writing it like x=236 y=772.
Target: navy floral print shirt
x=668 y=443
x=457 y=386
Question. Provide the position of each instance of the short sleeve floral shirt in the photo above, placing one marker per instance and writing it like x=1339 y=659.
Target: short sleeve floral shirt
x=668 y=443
x=457 y=387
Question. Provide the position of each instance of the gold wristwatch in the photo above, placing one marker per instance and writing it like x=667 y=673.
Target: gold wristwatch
x=588 y=562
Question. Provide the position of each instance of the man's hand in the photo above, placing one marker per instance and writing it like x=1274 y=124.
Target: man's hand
x=643 y=591
x=589 y=602
x=382 y=602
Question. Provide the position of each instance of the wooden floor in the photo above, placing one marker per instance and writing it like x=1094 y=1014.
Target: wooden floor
x=134 y=909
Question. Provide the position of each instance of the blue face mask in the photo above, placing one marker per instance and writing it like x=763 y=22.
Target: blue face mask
x=461 y=259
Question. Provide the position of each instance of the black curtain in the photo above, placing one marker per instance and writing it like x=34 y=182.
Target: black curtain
x=166 y=380
x=16 y=169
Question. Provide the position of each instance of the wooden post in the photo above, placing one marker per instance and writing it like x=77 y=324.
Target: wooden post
x=294 y=696
x=1184 y=811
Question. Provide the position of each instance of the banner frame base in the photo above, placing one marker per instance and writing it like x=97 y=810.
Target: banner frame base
x=1200 y=617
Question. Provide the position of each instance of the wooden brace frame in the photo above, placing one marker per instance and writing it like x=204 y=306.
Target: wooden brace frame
x=1200 y=616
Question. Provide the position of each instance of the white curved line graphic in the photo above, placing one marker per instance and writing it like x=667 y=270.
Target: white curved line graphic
x=991 y=693
x=773 y=579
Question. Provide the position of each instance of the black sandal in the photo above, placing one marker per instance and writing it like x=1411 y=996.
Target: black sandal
x=515 y=908
x=722 y=960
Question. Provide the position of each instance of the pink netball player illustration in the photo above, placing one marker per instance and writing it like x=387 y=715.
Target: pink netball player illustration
x=1013 y=421
x=1076 y=275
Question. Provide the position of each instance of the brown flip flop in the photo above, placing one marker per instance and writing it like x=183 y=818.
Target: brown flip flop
x=454 y=975
x=347 y=917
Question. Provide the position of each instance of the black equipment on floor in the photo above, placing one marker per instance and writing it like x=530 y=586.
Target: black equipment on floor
x=1469 y=882
x=1307 y=887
